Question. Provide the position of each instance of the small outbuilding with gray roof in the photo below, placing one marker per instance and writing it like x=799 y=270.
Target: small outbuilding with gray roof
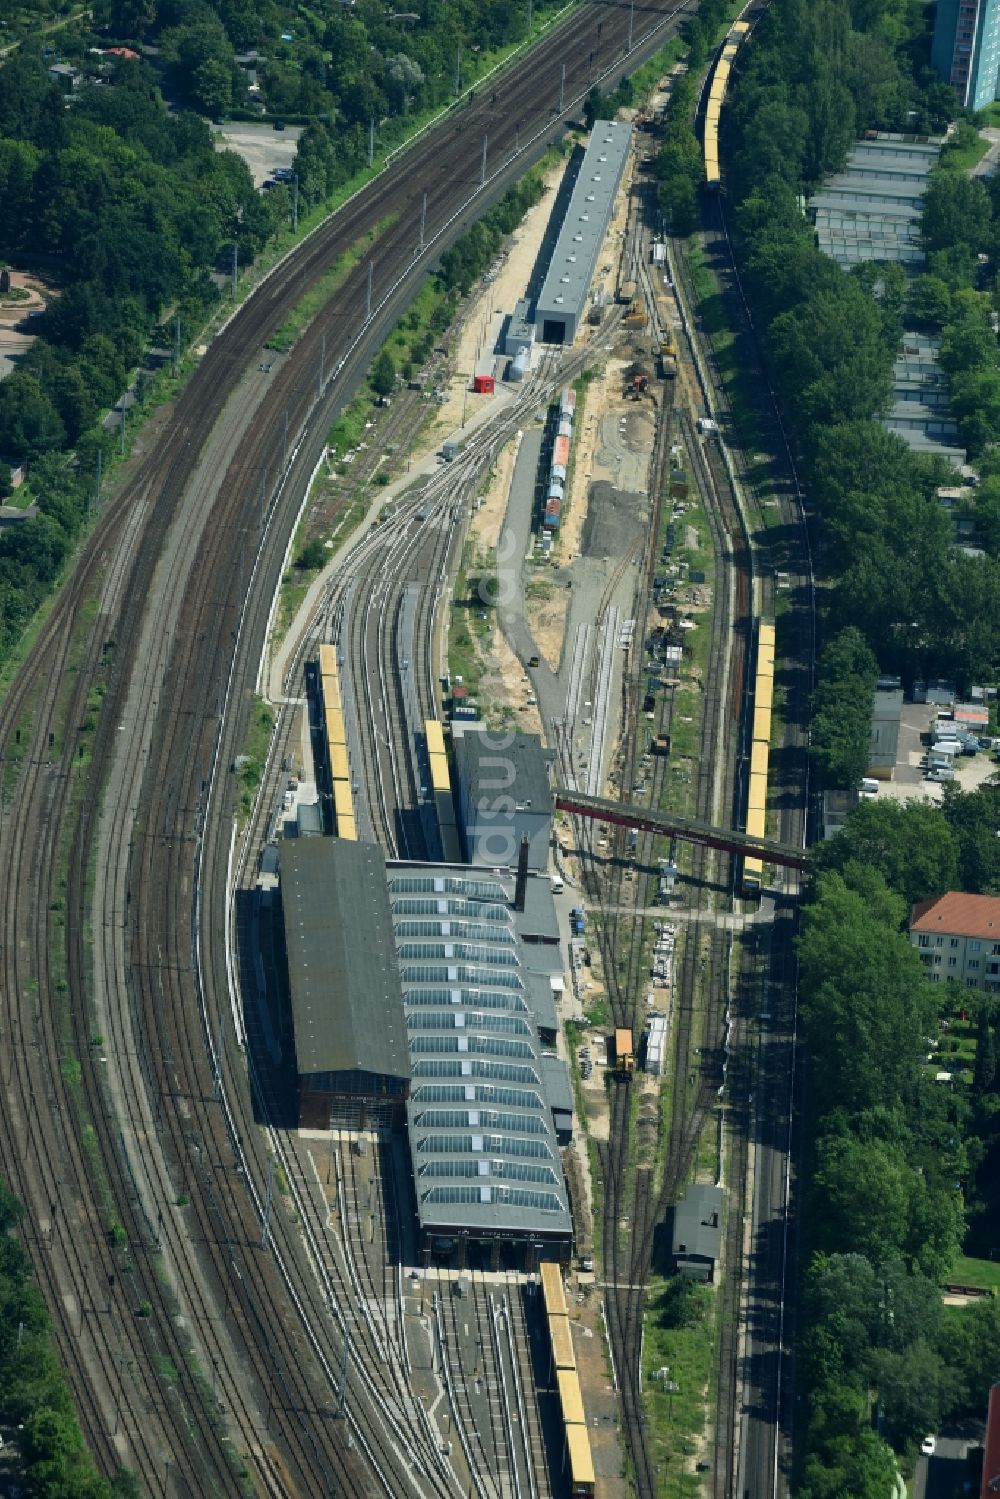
x=697 y=1239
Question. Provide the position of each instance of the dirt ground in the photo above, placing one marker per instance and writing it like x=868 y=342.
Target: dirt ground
x=489 y=304
x=547 y=614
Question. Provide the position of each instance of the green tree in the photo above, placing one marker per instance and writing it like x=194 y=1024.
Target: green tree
x=840 y=733
x=865 y=1187
x=930 y=301
x=986 y=1057
x=910 y=844
x=913 y=1390
x=29 y=423
x=383 y=376
x=956 y=212
x=974 y=817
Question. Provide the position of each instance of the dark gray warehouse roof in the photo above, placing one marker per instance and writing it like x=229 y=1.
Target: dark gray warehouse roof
x=514 y=764
x=346 y=1001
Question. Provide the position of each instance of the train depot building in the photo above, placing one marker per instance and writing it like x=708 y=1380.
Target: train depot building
x=423 y=998
x=562 y=301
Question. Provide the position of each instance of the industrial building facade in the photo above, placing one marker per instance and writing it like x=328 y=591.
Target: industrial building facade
x=347 y=1008
x=965 y=51
x=562 y=300
x=425 y=995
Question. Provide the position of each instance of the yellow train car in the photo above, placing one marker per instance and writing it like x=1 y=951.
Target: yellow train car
x=760 y=751
x=570 y=1397
x=440 y=777
x=580 y=1461
x=716 y=99
x=327 y=657
x=762 y=724
x=434 y=734
x=347 y=828
x=760 y=756
x=553 y=1291
x=340 y=769
x=336 y=729
x=561 y=1339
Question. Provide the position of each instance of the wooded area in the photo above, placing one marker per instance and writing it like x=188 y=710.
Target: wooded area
x=899 y=1170
x=127 y=208
x=816 y=77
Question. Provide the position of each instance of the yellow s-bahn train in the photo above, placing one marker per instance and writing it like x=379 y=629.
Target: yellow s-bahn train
x=577 y=1456
x=717 y=97
x=335 y=744
x=760 y=752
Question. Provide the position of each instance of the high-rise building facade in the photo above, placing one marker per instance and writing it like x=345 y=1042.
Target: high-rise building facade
x=966 y=48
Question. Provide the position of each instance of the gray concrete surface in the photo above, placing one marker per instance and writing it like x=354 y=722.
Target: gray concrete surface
x=946 y=1473
x=261 y=146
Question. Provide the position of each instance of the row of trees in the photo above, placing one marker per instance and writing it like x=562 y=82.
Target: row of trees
x=323 y=61
x=892 y=1158
x=129 y=207
x=816 y=76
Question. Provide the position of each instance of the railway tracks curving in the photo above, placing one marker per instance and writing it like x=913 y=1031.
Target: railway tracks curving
x=203 y=1305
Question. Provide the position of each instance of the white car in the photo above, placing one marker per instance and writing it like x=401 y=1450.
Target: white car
x=928 y=1446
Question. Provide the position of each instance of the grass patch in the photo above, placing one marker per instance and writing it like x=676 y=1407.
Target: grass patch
x=968 y=155
x=710 y=307
x=250 y=765
x=680 y=1337
x=967 y=1271
x=469 y=632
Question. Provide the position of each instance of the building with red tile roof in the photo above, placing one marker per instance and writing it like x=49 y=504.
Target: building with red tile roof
x=958 y=937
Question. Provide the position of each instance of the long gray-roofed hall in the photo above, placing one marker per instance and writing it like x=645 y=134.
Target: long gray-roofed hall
x=485 y=1122
x=563 y=297
x=434 y=986
x=347 y=1010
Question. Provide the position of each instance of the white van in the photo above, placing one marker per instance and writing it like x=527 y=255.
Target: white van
x=941 y=773
x=869 y=784
x=556 y=882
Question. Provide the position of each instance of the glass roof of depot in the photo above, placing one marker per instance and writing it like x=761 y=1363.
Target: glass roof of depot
x=481 y=1128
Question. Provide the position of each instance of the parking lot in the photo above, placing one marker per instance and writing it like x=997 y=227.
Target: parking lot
x=909 y=783
x=261 y=146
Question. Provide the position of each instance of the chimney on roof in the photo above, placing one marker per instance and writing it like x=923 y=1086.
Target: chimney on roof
x=521 y=884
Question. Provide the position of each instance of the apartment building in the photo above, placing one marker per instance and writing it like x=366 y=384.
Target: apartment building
x=958 y=937
x=966 y=48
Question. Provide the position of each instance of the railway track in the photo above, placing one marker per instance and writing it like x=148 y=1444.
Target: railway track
x=188 y=1169
x=633 y=1202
